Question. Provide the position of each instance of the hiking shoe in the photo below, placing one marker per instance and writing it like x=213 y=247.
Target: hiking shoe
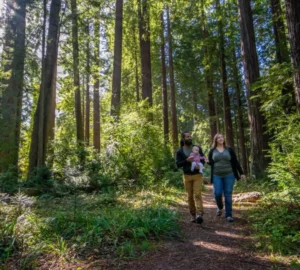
x=199 y=219
x=219 y=212
x=193 y=219
x=230 y=219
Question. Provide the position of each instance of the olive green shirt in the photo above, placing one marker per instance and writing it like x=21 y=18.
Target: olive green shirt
x=222 y=160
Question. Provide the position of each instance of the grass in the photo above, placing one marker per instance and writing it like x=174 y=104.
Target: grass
x=275 y=221
x=122 y=224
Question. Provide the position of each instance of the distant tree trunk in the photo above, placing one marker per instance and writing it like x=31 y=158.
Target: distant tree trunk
x=259 y=138
x=87 y=99
x=209 y=83
x=116 y=81
x=144 y=33
x=195 y=109
x=293 y=21
x=78 y=114
x=226 y=99
x=164 y=82
x=136 y=60
x=96 y=122
x=172 y=86
x=282 y=53
x=240 y=120
x=41 y=127
x=13 y=91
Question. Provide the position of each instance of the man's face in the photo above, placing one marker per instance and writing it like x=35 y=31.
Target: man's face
x=187 y=139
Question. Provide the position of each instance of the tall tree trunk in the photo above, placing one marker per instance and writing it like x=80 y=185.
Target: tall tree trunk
x=282 y=53
x=259 y=138
x=13 y=91
x=78 y=114
x=116 y=81
x=293 y=21
x=137 y=82
x=164 y=81
x=209 y=82
x=96 y=122
x=41 y=125
x=172 y=86
x=226 y=99
x=87 y=99
x=240 y=120
x=144 y=33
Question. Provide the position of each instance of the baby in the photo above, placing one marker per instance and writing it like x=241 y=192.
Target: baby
x=196 y=159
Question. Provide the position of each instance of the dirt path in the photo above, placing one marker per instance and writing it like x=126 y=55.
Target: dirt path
x=215 y=244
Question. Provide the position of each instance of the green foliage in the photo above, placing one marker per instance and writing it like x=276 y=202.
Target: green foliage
x=126 y=228
x=9 y=180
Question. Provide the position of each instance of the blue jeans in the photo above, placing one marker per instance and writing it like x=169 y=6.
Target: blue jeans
x=224 y=184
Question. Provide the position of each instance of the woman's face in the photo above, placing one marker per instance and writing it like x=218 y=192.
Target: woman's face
x=220 y=139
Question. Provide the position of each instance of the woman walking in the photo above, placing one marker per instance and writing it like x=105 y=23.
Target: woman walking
x=225 y=168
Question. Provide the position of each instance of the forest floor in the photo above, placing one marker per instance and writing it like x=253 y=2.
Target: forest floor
x=214 y=244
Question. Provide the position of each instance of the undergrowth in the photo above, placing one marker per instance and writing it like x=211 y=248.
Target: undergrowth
x=122 y=224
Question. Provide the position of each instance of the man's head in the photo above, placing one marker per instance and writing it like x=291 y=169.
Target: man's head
x=186 y=139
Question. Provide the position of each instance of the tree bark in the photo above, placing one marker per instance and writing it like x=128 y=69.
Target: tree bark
x=41 y=125
x=96 y=115
x=116 y=81
x=87 y=99
x=172 y=86
x=76 y=78
x=144 y=33
x=293 y=21
x=164 y=82
x=240 y=120
x=209 y=83
x=226 y=100
x=282 y=54
x=13 y=91
x=259 y=138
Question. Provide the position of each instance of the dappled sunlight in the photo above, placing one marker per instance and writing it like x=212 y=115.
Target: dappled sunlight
x=216 y=247
x=230 y=234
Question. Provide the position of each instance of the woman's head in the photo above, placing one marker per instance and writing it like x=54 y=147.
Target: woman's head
x=218 y=140
x=186 y=139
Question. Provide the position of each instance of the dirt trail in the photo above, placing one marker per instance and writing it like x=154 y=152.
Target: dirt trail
x=215 y=244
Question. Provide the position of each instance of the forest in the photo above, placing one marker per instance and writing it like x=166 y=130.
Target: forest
x=94 y=97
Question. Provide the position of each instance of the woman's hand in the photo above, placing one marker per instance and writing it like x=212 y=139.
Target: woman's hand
x=243 y=177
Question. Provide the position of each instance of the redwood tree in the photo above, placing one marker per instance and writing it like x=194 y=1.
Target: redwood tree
x=293 y=21
x=76 y=78
x=116 y=80
x=11 y=106
x=41 y=125
x=145 y=46
x=172 y=86
x=259 y=138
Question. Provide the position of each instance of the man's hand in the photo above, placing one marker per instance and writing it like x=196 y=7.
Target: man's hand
x=190 y=159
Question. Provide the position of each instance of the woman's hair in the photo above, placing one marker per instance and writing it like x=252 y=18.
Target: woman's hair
x=215 y=143
x=182 y=138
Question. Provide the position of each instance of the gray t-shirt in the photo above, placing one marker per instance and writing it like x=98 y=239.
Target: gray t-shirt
x=187 y=151
x=222 y=164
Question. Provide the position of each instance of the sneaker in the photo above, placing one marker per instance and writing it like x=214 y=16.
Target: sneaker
x=193 y=219
x=230 y=219
x=219 y=212
x=199 y=219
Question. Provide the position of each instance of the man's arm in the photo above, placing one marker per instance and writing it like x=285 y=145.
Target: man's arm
x=180 y=159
